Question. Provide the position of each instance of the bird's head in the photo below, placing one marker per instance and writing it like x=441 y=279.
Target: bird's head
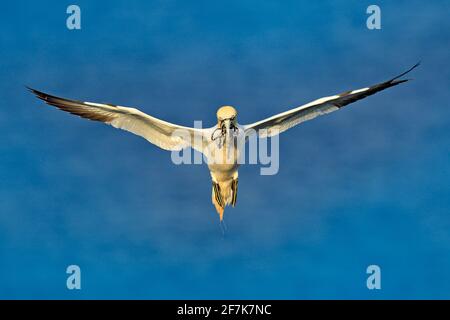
x=226 y=117
x=226 y=123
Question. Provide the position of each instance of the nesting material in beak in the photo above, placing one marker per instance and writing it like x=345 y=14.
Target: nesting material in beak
x=228 y=133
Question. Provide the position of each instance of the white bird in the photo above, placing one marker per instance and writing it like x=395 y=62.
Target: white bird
x=215 y=142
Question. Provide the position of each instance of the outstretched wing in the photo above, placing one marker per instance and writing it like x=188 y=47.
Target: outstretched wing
x=165 y=135
x=283 y=121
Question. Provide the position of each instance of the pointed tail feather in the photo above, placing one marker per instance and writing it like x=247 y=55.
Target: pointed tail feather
x=234 y=188
x=217 y=200
x=224 y=193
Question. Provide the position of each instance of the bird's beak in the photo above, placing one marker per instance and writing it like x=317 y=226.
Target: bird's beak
x=227 y=124
x=228 y=135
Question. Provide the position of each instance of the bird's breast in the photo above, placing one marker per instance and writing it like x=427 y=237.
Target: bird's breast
x=223 y=158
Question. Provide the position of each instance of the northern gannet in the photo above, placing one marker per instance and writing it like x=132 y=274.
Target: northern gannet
x=218 y=142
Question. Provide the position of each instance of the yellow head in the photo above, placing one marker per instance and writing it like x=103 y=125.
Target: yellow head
x=226 y=113
x=226 y=123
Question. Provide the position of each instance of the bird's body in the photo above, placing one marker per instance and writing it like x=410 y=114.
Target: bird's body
x=224 y=178
x=220 y=144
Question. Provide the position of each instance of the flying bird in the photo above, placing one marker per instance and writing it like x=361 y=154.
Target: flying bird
x=218 y=141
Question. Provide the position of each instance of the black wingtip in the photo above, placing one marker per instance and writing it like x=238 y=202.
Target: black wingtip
x=29 y=88
x=34 y=91
x=39 y=94
x=396 y=82
x=407 y=71
x=416 y=65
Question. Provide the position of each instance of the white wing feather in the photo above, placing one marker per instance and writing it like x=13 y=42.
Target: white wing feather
x=163 y=134
x=283 y=121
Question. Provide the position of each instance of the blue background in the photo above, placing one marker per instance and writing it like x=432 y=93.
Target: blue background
x=369 y=184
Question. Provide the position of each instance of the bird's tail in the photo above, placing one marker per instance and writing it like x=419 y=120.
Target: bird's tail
x=223 y=194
